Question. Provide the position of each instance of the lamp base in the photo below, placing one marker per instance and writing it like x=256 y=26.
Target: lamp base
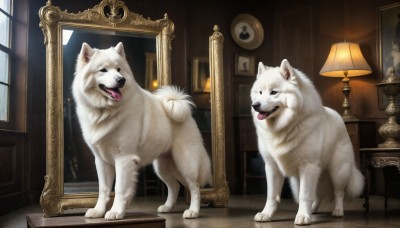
x=346 y=89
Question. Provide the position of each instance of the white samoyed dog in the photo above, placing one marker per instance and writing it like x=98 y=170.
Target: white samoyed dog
x=127 y=127
x=301 y=139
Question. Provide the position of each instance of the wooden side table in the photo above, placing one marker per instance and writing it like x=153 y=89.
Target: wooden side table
x=377 y=158
x=362 y=135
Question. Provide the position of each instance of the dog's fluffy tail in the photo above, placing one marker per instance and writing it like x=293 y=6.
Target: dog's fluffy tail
x=177 y=104
x=356 y=183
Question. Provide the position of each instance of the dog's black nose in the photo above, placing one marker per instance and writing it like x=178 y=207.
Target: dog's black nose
x=121 y=81
x=256 y=106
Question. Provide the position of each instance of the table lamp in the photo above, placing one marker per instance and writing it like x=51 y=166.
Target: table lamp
x=345 y=60
x=207 y=86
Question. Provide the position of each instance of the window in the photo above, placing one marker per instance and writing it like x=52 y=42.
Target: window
x=13 y=64
x=6 y=20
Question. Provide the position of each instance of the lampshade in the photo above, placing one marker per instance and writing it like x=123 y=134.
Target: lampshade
x=345 y=56
x=207 y=86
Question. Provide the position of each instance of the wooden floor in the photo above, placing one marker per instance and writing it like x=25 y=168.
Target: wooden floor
x=241 y=211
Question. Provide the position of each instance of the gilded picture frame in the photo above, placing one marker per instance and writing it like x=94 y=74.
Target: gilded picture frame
x=200 y=71
x=245 y=65
x=388 y=44
x=247 y=31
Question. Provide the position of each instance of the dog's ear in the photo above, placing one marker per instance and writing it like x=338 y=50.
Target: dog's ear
x=84 y=56
x=286 y=69
x=120 y=49
x=261 y=68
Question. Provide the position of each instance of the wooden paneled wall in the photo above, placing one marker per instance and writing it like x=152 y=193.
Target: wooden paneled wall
x=300 y=30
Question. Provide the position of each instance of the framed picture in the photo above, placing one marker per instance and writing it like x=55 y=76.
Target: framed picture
x=245 y=65
x=247 y=31
x=389 y=44
x=200 y=72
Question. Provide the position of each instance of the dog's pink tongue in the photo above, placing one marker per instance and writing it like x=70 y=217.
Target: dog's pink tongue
x=261 y=116
x=116 y=95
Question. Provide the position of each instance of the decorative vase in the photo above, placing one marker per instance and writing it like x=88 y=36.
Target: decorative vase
x=390 y=131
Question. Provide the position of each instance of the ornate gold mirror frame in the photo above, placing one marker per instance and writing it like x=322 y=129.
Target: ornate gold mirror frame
x=218 y=195
x=52 y=21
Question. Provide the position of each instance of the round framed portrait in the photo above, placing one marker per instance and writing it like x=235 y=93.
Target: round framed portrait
x=247 y=31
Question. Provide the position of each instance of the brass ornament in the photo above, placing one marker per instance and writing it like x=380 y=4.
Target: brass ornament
x=390 y=131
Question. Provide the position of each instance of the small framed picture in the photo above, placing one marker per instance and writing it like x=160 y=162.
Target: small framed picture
x=247 y=31
x=200 y=72
x=245 y=65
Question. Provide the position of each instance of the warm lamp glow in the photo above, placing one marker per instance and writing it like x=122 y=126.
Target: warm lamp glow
x=345 y=60
x=345 y=56
x=155 y=84
x=207 y=86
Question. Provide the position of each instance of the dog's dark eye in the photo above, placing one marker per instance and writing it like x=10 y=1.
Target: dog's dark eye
x=103 y=70
x=118 y=69
x=260 y=92
x=273 y=92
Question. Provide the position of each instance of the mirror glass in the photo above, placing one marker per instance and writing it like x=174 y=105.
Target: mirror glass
x=79 y=167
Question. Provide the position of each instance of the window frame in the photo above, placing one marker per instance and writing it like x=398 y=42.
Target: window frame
x=17 y=83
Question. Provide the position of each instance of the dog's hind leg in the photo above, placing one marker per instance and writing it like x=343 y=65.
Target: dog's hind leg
x=105 y=173
x=309 y=175
x=188 y=175
x=340 y=178
x=295 y=187
x=340 y=171
x=193 y=211
x=125 y=184
x=164 y=166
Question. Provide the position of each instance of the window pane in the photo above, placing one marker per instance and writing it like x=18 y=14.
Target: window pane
x=5 y=30
x=4 y=70
x=6 y=5
x=4 y=103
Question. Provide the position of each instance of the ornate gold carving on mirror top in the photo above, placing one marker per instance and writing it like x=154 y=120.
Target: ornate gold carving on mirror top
x=110 y=12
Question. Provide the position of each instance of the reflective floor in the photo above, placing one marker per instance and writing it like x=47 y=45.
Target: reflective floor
x=241 y=211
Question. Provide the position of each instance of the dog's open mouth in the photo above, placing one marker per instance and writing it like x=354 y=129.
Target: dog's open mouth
x=264 y=115
x=114 y=93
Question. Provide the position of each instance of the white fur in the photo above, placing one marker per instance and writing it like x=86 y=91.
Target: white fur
x=134 y=130
x=302 y=140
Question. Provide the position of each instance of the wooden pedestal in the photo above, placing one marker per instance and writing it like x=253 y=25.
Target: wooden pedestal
x=78 y=220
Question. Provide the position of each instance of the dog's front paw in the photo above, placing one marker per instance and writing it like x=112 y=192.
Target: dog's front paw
x=113 y=215
x=302 y=219
x=190 y=214
x=262 y=217
x=337 y=213
x=93 y=213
